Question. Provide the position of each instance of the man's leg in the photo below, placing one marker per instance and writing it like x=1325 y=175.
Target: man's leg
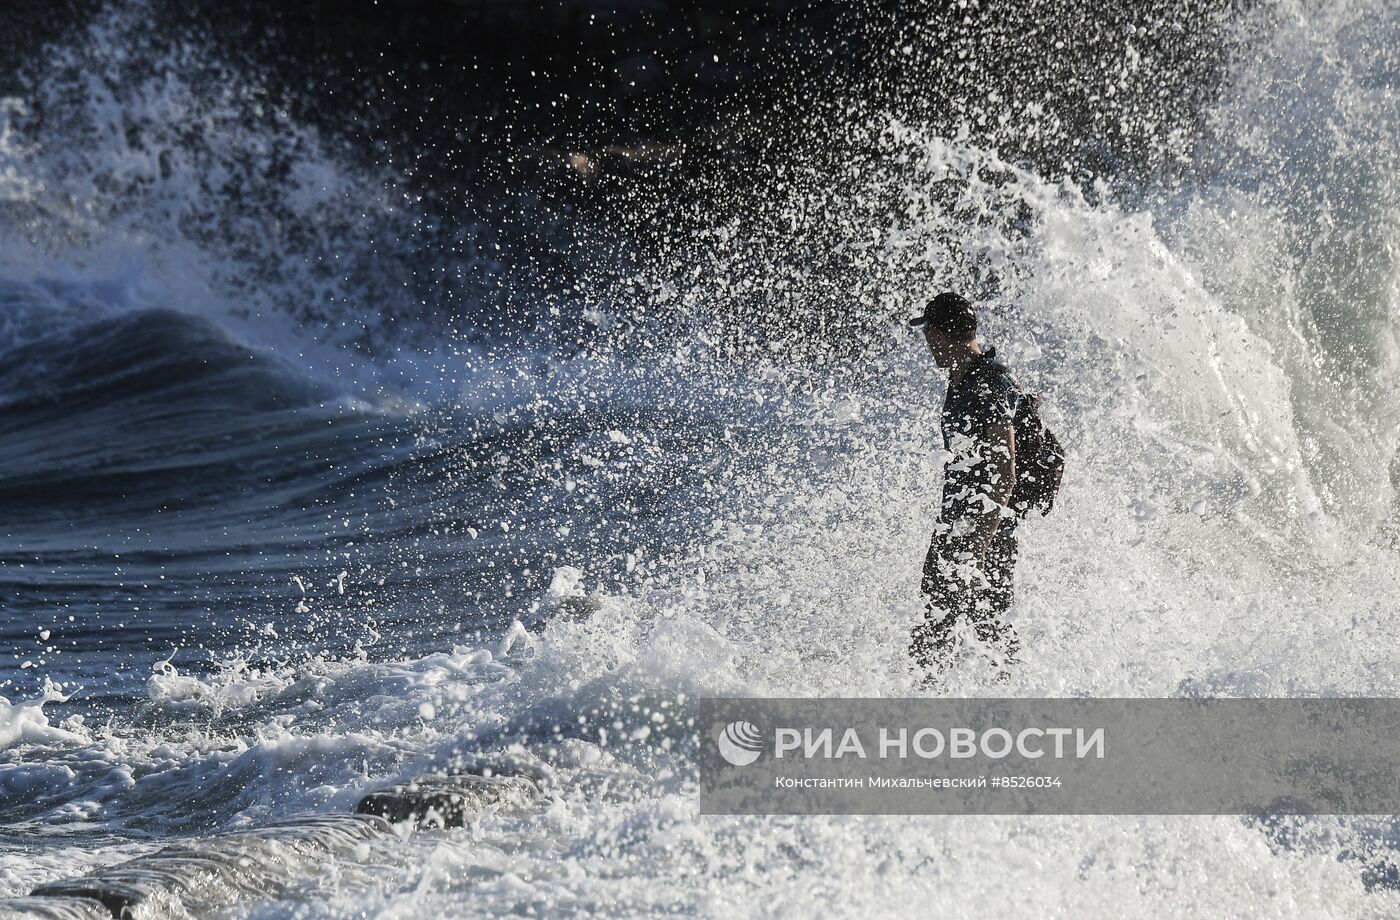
x=933 y=639
x=993 y=600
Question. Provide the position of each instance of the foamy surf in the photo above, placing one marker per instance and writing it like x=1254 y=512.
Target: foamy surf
x=329 y=572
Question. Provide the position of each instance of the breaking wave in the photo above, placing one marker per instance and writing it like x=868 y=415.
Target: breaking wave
x=254 y=566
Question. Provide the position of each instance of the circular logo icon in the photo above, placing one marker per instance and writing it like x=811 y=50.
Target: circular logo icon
x=740 y=743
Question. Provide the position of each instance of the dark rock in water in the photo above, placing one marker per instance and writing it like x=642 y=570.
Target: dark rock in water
x=211 y=871
x=205 y=873
x=53 y=909
x=441 y=800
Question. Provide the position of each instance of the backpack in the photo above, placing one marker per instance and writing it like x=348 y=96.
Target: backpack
x=1040 y=460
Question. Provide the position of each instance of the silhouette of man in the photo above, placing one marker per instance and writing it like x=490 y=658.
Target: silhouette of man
x=967 y=578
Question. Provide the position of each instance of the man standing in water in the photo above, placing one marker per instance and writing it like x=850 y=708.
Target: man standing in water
x=968 y=569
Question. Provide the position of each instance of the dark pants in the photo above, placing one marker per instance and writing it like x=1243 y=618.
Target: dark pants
x=963 y=601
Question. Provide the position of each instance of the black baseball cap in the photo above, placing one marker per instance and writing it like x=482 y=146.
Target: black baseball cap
x=952 y=314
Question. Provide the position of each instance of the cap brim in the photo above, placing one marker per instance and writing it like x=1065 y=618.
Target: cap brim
x=918 y=321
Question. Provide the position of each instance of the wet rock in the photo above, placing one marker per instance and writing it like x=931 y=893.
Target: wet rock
x=211 y=871
x=205 y=873
x=442 y=800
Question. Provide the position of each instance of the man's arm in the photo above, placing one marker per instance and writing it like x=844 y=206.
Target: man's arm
x=1001 y=458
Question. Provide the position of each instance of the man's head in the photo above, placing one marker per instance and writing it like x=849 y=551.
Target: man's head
x=950 y=326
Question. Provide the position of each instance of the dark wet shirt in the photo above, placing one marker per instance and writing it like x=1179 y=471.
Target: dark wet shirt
x=983 y=398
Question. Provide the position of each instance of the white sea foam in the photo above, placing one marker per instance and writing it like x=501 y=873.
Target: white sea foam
x=1227 y=527
x=25 y=723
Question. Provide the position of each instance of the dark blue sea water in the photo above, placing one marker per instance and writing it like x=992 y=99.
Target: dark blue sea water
x=172 y=493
